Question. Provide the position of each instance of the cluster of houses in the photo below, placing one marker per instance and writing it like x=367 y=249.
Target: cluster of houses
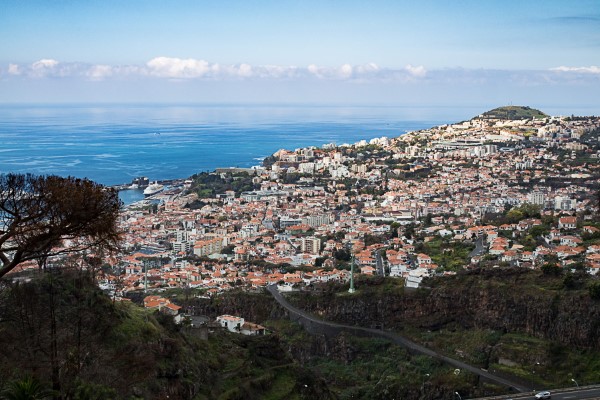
x=440 y=182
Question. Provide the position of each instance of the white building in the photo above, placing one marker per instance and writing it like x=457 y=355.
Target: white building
x=311 y=245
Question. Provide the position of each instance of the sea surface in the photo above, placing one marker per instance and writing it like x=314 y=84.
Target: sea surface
x=112 y=144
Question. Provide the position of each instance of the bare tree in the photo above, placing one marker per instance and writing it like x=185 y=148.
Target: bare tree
x=43 y=216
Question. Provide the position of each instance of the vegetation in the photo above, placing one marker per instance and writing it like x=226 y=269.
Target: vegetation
x=514 y=112
x=39 y=213
x=451 y=256
x=63 y=338
x=467 y=317
x=208 y=185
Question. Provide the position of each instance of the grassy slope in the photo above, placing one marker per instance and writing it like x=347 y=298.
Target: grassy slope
x=127 y=352
x=514 y=112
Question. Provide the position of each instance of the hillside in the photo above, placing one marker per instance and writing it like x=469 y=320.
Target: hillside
x=61 y=331
x=503 y=319
x=513 y=112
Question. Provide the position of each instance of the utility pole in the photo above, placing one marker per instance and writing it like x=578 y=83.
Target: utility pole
x=352 y=290
x=145 y=264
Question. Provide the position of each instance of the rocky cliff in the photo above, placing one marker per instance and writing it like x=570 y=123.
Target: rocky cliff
x=507 y=300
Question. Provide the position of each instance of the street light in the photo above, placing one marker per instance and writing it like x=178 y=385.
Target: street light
x=573 y=379
x=459 y=398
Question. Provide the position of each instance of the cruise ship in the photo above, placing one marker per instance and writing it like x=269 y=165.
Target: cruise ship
x=153 y=189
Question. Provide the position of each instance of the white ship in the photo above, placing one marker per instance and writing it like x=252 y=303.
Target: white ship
x=153 y=189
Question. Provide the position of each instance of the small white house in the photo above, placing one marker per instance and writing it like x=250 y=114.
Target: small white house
x=233 y=324
x=415 y=277
x=238 y=325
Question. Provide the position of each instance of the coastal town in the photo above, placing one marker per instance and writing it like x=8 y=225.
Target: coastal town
x=492 y=191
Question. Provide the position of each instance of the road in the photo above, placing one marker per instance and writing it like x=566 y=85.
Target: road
x=380 y=266
x=479 y=249
x=585 y=392
x=397 y=339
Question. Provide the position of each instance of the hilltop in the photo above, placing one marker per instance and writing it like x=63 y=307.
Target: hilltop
x=514 y=113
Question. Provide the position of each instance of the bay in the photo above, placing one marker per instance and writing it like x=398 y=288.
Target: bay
x=112 y=144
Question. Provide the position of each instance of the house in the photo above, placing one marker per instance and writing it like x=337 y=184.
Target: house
x=423 y=259
x=571 y=241
x=591 y=230
x=567 y=223
x=252 y=329
x=164 y=306
x=415 y=277
x=231 y=323
x=239 y=325
x=367 y=270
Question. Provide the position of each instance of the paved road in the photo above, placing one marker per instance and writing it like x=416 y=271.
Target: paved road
x=479 y=249
x=397 y=339
x=586 y=392
x=380 y=266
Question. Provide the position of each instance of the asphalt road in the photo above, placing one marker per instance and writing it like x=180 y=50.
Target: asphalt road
x=397 y=339
x=379 y=263
x=479 y=249
x=586 y=392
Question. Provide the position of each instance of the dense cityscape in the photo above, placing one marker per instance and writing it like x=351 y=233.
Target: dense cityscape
x=487 y=192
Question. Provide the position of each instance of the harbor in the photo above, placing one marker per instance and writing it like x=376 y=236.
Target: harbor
x=141 y=188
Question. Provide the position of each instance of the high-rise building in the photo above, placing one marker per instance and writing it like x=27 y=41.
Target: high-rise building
x=311 y=245
x=537 y=198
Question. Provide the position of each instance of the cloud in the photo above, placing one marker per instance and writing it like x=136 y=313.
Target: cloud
x=14 y=69
x=367 y=68
x=344 y=72
x=167 y=67
x=99 y=72
x=245 y=70
x=179 y=69
x=418 y=72
x=43 y=68
x=585 y=70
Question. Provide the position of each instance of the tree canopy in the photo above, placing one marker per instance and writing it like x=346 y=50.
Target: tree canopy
x=41 y=216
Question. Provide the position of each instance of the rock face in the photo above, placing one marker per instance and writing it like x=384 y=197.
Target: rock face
x=254 y=307
x=500 y=299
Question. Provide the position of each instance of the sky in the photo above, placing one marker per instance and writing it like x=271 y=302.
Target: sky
x=376 y=52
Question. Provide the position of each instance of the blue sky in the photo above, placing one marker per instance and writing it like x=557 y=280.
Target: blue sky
x=362 y=52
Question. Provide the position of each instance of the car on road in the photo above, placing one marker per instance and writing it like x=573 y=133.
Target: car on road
x=543 y=395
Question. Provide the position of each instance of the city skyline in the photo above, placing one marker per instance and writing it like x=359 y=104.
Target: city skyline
x=384 y=52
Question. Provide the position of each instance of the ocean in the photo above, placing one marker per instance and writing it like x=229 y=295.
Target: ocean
x=112 y=144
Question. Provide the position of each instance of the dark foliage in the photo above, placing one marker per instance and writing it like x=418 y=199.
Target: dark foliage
x=39 y=213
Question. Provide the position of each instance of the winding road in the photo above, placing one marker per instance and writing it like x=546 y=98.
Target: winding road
x=308 y=319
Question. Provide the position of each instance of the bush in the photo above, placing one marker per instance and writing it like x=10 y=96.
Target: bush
x=595 y=290
x=551 y=269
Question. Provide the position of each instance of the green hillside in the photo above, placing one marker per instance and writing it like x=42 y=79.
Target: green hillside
x=62 y=338
x=514 y=112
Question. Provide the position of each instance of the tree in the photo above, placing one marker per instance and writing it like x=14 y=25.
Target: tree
x=27 y=388
x=594 y=289
x=42 y=216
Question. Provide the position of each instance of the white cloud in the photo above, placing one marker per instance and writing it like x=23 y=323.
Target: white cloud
x=98 y=72
x=167 y=67
x=43 y=67
x=586 y=70
x=345 y=71
x=367 y=68
x=14 y=69
x=44 y=63
x=417 y=72
x=276 y=71
x=170 y=68
x=245 y=70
